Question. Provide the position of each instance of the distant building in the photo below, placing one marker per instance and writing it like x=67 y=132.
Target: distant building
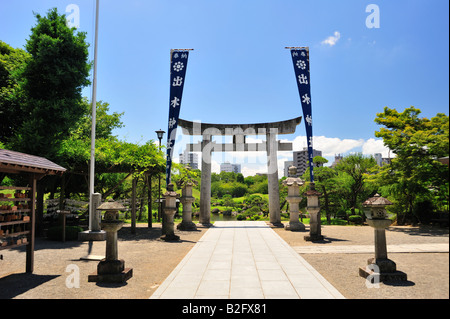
x=381 y=161
x=300 y=160
x=228 y=167
x=378 y=158
x=190 y=159
x=337 y=159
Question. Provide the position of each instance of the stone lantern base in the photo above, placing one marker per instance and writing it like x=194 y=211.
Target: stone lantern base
x=170 y=237
x=186 y=226
x=111 y=271
x=388 y=270
x=314 y=238
x=295 y=226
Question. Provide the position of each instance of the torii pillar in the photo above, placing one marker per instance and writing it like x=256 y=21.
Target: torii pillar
x=239 y=131
x=272 y=179
x=205 y=186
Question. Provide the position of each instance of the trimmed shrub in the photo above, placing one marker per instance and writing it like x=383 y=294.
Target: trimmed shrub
x=355 y=219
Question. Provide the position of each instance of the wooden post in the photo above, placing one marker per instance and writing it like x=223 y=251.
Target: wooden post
x=62 y=215
x=39 y=213
x=149 y=190
x=32 y=225
x=62 y=192
x=133 y=206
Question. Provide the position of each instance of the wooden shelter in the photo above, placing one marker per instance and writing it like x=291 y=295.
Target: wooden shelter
x=22 y=217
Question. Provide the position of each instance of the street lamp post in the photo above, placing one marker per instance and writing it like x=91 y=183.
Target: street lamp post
x=160 y=135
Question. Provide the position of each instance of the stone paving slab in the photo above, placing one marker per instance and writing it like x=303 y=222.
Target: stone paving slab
x=244 y=260
x=370 y=249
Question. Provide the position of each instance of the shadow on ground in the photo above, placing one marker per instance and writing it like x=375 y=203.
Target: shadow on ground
x=17 y=284
x=424 y=230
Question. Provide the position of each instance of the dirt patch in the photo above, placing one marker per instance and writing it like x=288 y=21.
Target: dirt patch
x=428 y=273
x=152 y=261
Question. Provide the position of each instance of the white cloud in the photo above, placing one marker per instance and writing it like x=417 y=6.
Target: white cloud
x=328 y=145
x=333 y=145
x=372 y=146
x=333 y=39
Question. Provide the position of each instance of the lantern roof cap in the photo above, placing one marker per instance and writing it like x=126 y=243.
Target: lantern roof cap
x=111 y=205
x=377 y=200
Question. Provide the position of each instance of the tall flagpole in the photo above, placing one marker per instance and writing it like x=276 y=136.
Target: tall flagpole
x=94 y=119
x=300 y=58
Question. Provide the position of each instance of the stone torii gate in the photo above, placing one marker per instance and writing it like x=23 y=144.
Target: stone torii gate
x=239 y=132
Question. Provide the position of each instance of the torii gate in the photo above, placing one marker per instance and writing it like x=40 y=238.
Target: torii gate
x=239 y=131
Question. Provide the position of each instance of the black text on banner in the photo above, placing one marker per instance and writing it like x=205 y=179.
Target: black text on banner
x=178 y=65
x=300 y=58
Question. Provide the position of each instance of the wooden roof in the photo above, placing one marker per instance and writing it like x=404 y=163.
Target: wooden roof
x=15 y=162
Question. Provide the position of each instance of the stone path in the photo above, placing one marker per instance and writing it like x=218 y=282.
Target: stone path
x=244 y=260
x=370 y=249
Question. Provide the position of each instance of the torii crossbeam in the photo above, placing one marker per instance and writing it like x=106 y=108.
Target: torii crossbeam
x=239 y=131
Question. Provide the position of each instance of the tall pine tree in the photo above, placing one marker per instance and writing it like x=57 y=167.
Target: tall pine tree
x=53 y=81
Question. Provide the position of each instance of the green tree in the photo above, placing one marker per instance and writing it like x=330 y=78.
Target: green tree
x=106 y=123
x=353 y=171
x=12 y=62
x=228 y=200
x=256 y=201
x=415 y=174
x=53 y=80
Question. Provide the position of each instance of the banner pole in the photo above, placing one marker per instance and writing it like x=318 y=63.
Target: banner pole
x=300 y=59
x=178 y=65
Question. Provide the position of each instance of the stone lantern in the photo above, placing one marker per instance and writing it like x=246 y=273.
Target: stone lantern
x=293 y=183
x=313 y=208
x=377 y=217
x=170 y=209
x=187 y=199
x=111 y=268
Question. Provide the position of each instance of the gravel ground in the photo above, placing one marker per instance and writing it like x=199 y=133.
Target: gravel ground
x=153 y=260
x=428 y=273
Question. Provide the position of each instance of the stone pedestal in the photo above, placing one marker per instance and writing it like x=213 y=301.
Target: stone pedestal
x=187 y=199
x=293 y=183
x=170 y=209
x=315 y=229
x=111 y=269
x=385 y=268
x=313 y=208
x=95 y=233
x=381 y=266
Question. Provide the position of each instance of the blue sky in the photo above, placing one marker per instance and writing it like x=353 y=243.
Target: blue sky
x=241 y=73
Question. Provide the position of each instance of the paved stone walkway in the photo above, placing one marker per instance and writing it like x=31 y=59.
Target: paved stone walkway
x=370 y=249
x=244 y=260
